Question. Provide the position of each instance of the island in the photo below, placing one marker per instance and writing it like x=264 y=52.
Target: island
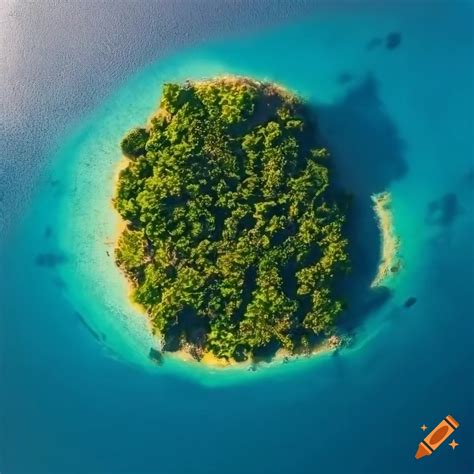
x=235 y=240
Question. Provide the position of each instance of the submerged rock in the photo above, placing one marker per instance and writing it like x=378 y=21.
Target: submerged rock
x=50 y=259
x=373 y=43
x=344 y=78
x=395 y=268
x=155 y=355
x=410 y=302
x=443 y=211
x=393 y=40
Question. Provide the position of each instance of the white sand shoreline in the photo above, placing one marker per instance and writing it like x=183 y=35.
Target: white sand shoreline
x=390 y=243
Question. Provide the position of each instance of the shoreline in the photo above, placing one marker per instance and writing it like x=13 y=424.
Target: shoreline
x=390 y=263
x=282 y=356
x=270 y=86
x=113 y=243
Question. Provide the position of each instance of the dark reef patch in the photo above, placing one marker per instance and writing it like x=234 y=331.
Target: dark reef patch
x=50 y=259
x=345 y=78
x=393 y=40
x=155 y=356
x=373 y=43
x=59 y=283
x=98 y=336
x=443 y=211
x=410 y=302
x=363 y=139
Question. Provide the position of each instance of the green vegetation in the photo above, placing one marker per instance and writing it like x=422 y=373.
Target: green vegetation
x=233 y=240
x=134 y=143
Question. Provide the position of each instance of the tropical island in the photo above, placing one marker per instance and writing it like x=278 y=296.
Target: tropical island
x=234 y=241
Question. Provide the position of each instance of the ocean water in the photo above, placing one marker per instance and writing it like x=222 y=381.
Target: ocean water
x=78 y=393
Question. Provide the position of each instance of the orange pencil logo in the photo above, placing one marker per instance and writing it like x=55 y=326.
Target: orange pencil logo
x=437 y=437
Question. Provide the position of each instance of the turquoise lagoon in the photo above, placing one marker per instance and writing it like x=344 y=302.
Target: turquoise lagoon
x=83 y=395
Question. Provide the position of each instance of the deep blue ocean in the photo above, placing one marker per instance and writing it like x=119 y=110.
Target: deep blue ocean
x=391 y=85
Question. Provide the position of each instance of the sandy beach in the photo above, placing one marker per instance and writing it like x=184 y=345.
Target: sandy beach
x=281 y=356
x=390 y=245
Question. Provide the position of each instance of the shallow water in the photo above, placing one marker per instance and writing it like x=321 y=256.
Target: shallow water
x=78 y=393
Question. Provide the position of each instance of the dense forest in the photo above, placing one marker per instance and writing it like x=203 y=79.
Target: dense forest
x=234 y=241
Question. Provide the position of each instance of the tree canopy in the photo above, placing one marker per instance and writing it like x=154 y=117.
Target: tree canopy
x=234 y=241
